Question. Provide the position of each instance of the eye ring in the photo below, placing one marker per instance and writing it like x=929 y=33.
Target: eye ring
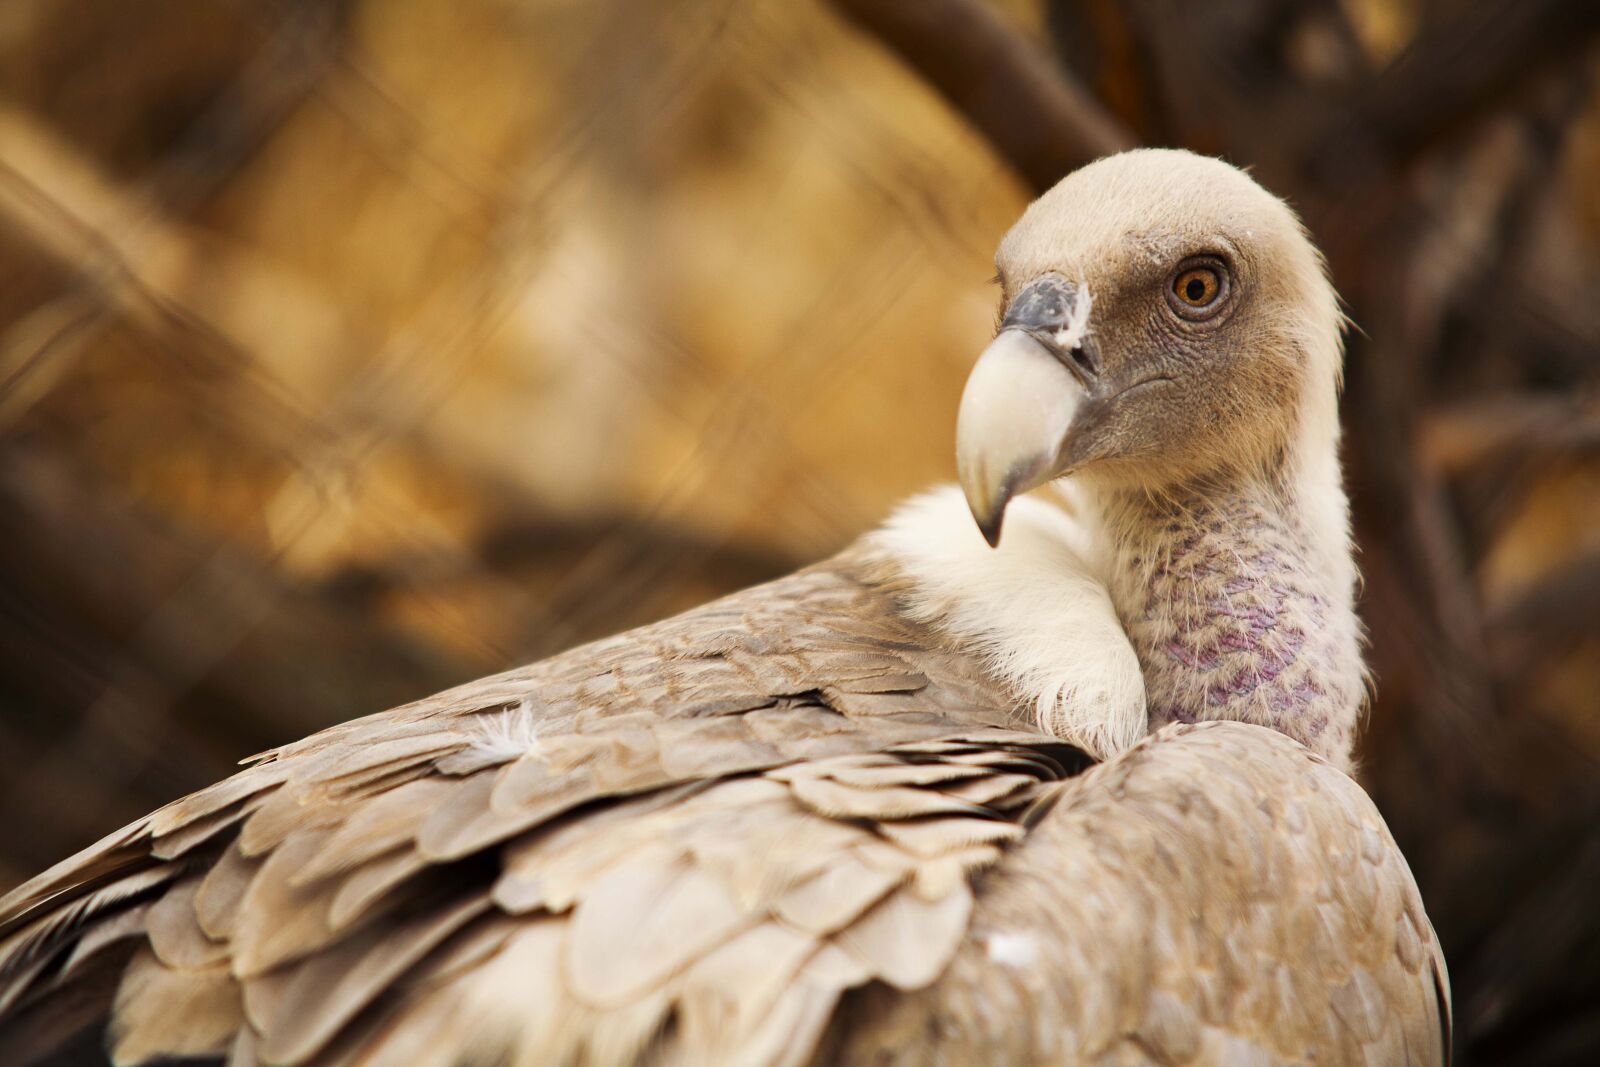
x=1199 y=288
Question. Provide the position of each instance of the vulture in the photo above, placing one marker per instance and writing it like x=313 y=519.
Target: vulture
x=1074 y=790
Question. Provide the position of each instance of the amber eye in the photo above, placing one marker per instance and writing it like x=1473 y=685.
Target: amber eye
x=1197 y=286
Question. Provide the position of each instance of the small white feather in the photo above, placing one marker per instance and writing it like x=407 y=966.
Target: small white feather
x=512 y=733
x=1011 y=949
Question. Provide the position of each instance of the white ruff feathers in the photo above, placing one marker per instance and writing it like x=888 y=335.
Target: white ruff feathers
x=1037 y=608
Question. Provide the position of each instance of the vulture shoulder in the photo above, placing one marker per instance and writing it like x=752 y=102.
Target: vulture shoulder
x=1215 y=895
x=789 y=827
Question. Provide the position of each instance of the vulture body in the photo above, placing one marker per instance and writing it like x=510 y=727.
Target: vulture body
x=1080 y=798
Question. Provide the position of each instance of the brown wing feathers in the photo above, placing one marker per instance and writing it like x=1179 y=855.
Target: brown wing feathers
x=726 y=920
x=289 y=901
x=659 y=908
x=787 y=829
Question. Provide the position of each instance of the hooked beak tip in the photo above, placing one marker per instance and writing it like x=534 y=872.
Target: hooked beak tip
x=990 y=527
x=988 y=502
x=1016 y=413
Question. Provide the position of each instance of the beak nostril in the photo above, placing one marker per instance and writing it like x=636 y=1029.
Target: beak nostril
x=1055 y=313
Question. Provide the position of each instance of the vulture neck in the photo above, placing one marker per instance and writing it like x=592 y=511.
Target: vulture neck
x=1238 y=600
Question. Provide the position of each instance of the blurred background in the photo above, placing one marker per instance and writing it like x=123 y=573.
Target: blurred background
x=349 y=350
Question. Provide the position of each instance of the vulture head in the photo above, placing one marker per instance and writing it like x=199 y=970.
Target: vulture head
x=1168 y=359
x=1165 y=321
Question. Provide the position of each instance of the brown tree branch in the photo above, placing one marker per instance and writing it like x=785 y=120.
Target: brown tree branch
x=1034 y=113
x=1453 y=72
x=1539 y=621
x=1456 y=438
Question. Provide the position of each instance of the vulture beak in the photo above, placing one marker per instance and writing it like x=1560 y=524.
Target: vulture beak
x=1021 y=400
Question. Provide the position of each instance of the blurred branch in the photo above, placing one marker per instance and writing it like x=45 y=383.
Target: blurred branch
x=302 y=38
x=113 y=620
x=1035 y=114
x=1459 y=437
x=1457 y=70
x=1533 y=625
x=1531 y=962
x=554 y=544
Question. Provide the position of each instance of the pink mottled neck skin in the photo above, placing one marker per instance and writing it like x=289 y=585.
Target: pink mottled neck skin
x=1241 y=608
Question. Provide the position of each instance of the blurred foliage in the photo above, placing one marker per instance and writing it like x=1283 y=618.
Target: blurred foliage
x=349 y=350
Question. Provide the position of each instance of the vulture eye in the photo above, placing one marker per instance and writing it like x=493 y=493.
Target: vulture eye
x=1199 y=289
